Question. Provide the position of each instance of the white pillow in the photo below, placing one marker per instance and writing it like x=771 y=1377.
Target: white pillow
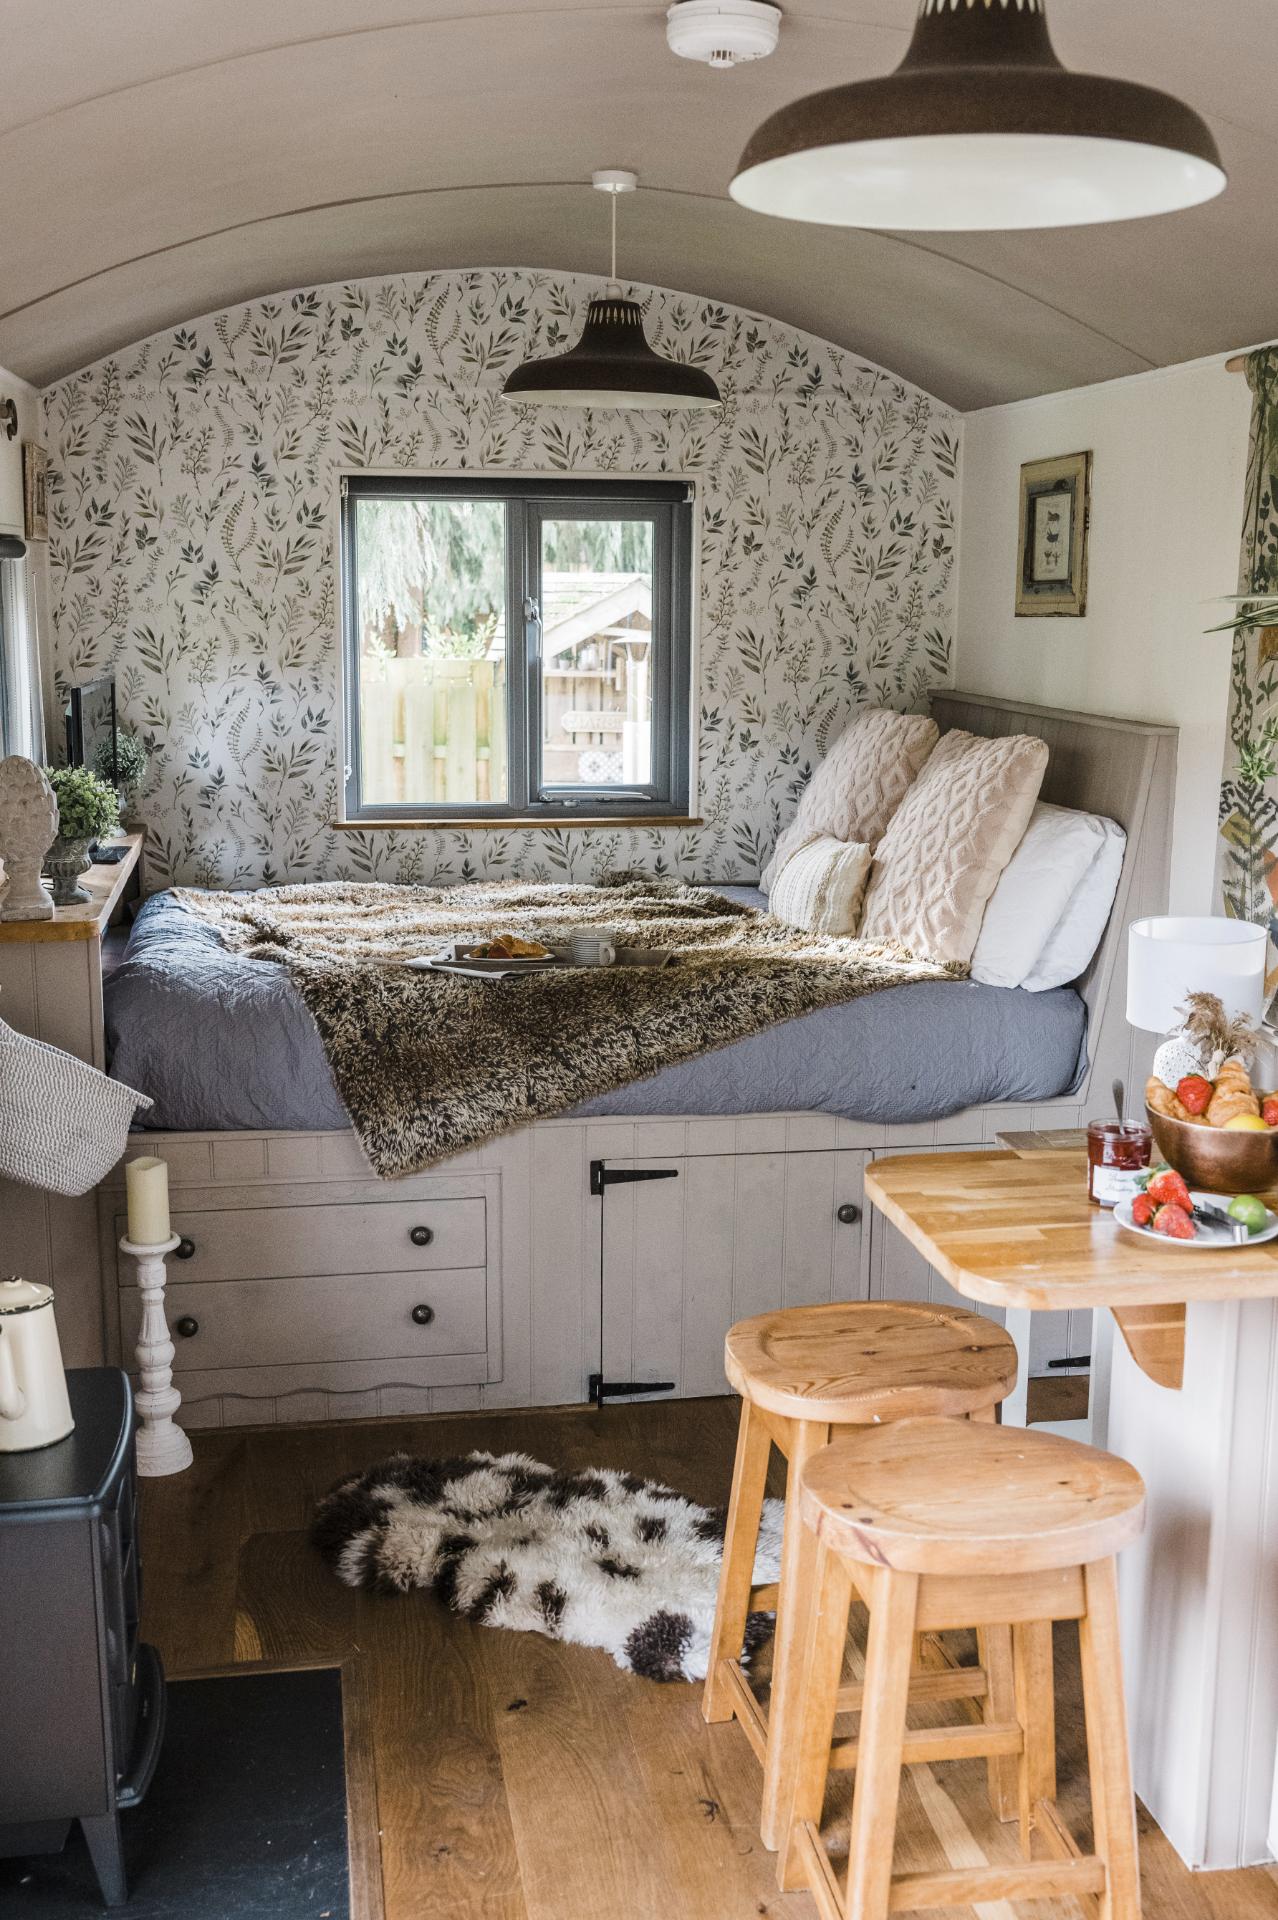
x=1034 y=889
x=1078 y=933
x=822 y=887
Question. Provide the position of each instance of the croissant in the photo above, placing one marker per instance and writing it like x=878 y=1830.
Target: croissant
x=1234 y=1094
x=1161 y=1099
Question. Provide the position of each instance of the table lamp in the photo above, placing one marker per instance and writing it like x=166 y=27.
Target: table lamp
x=1172 y=955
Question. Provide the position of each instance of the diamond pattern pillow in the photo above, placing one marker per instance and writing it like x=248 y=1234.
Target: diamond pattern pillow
x=859 y=785
x=948 y=842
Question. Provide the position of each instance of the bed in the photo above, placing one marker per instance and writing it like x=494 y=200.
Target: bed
x=924 y=1051
x=616 y=1243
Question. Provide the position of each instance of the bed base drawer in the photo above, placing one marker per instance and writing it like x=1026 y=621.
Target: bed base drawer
x=306 y=1321
x=278 y=1243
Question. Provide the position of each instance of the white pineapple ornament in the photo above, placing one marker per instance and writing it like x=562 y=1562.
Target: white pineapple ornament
x=1175 y=1058
x=1206 y=1039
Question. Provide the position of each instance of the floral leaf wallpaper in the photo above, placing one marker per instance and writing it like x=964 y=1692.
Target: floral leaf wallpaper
x=193 y=493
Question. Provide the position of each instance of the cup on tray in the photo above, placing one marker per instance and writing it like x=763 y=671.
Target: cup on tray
x=593 y=946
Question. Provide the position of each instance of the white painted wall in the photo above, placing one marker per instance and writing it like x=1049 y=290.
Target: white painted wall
x=1169 y=452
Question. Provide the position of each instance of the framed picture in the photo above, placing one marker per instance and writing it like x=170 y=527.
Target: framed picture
x=1052 y=571
x=35 y=499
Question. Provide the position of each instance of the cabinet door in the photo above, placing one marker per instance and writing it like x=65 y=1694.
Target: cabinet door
x=730 y=1235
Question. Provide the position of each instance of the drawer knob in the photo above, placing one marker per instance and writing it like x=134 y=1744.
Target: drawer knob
x=423 y=1315
x=184 y=1249
x=187 y=1326
x=849 y=1213
x=421 y=1236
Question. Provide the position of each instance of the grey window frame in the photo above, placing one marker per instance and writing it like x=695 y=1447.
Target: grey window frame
x=668 y=504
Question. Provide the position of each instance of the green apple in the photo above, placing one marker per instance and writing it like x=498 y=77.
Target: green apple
x=1253 y=1213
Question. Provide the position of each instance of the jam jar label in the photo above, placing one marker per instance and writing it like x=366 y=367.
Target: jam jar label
x=1112 y=1184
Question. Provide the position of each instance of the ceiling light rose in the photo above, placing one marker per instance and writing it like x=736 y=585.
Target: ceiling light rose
x=612 y=364
x=722 y=33
x=980 y=128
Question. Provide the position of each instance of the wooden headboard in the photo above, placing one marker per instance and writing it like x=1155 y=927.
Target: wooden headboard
x=1125 y=769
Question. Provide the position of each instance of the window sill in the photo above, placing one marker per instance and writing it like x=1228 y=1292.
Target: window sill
x=495 y=824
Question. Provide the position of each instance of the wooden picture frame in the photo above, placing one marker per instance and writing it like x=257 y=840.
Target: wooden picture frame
x=1051 y=547
x=35 y=497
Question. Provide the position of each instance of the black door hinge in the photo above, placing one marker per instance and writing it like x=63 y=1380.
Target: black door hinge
x=602 y=1175
x=600 y=1389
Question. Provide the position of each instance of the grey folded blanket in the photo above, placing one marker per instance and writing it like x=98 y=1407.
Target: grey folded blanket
x=430 y=1064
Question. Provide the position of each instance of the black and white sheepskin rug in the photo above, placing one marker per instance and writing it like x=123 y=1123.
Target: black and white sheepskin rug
x=598 y=1558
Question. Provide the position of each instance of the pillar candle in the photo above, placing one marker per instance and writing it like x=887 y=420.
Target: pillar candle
x=148 y=1185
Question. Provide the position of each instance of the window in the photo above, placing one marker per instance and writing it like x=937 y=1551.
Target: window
x=516 y=650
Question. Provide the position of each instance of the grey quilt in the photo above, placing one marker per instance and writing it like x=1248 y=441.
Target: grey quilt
x=224 y=1044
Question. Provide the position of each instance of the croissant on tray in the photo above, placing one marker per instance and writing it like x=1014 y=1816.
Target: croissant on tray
x=1162 y=1099
x=1234 y=1094
x=509 y=946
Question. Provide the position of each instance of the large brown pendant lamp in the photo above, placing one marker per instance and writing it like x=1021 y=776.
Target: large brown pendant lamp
x=612 y=364
x=980 y=128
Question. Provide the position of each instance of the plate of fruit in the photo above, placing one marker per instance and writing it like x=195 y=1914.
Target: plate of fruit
x=1168 y=1210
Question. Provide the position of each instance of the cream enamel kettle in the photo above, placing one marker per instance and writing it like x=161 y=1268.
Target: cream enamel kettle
x=34 y=1408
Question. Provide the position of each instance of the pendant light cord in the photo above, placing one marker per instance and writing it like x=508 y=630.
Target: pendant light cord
x=613 y=199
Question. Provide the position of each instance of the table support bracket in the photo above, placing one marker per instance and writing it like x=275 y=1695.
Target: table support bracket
x=1155 y=1337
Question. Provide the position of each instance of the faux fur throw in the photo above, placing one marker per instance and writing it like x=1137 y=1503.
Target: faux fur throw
x=429 y=1064
x=598 y=1558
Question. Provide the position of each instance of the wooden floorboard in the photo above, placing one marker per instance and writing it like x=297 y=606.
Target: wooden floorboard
x=518 y=1779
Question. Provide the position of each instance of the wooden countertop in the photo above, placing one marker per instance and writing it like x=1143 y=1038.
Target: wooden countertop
x=1021 y=1232
x=88 y=921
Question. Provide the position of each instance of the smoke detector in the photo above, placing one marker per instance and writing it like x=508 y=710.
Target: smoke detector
x=722 y=32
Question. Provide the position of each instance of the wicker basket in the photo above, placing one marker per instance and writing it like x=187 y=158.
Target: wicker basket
x=63 y=1125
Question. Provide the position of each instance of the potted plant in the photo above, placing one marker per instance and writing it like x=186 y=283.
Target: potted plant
x=129 y=764
x=87 y=809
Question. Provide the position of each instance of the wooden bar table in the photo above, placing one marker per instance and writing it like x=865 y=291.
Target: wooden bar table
x=1194 y=1407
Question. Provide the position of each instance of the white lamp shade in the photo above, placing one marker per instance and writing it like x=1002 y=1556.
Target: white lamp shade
x=1173 y=955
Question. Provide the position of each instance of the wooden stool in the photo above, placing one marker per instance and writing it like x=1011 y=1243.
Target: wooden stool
x=938 y=1525
x=800 y=1373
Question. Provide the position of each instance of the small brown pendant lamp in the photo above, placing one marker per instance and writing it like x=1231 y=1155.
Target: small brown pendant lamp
x=612 y=364
x=980 y=128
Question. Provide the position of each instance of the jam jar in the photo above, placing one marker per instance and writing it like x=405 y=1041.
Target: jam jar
x=1116 y=1158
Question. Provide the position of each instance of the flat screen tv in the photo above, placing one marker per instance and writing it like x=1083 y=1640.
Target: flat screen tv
x=90 y=715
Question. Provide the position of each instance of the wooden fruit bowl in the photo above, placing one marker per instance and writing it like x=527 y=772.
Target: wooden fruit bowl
x=1214 y=1158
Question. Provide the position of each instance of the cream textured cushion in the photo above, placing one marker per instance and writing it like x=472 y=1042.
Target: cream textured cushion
x=1036 y=886
x=859 y=785
x=950 y=839
x=821 y=887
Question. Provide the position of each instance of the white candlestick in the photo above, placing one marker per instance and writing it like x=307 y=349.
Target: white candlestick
x=147 y=1180
x=162 y=1447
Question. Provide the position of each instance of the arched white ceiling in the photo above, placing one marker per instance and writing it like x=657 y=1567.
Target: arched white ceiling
x=160 y=157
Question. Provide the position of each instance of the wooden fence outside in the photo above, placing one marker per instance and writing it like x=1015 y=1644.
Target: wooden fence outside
x=433 y=731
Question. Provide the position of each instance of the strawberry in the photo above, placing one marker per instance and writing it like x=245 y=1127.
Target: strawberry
x=1167 y=1188
x=1175 y=1222
x=1269 y=1110
x=1143 y=1210
x=1194 y=1093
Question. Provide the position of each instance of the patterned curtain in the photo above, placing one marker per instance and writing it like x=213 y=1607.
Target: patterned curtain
x=1247 y=867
